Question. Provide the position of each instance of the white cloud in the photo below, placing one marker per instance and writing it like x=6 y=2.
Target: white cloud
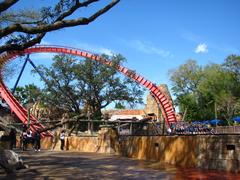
x=216 y=46
x=43 y=42
x=149 y=48
x=95 y=49
x=201 y=48
x=106 y=51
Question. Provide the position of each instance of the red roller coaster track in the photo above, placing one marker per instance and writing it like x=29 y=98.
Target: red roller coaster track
x=166 y=105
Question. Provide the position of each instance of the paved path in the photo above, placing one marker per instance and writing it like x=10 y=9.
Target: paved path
x=60 y=165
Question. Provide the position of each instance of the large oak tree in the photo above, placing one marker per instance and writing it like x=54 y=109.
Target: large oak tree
x=207 y=92
x=87 y=86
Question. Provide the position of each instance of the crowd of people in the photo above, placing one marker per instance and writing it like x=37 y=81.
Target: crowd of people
x=190 y=128
x=34 y=139
x=28 y=137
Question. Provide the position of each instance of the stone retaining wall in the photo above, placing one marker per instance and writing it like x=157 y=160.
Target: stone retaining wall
x=83 y=144
x=220 y=152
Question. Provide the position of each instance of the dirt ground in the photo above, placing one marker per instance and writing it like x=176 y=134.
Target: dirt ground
x=60 y=165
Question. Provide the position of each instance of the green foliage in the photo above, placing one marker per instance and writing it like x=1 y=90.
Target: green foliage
x=28 y=94
x=77 y=84
x=207 y=92
x=232 y=64
x=119 y=105
x=60 y=89
x=186 y=78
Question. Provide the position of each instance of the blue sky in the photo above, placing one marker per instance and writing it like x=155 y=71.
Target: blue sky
x=154 y=36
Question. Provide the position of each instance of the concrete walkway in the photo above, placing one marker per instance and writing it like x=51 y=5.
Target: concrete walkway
x=59 y=165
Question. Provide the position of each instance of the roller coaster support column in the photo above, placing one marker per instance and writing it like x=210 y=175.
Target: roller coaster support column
x=19 y=76
x=35 y=67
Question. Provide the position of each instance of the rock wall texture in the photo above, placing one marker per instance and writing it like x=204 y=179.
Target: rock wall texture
x=4 y=145
x=151 y=104
x=206 y=152
x=220 y=152
x=105 y=142
x=39 y=111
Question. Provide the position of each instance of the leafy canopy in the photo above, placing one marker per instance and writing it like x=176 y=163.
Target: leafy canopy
x=28 y=94
x=208 y=92
x=86 y=85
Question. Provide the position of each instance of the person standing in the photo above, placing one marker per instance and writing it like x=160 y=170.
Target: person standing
x=62 y=138
x=37 y=141
x=12 y=136
x=30 y=138
x=24 y=140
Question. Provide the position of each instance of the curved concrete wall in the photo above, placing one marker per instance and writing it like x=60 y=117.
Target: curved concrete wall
x=221 y=152
x=172 y=150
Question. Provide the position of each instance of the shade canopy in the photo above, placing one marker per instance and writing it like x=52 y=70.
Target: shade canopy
x=237 y=118
x=212 y=122
x=215 y=121
x=201 y=122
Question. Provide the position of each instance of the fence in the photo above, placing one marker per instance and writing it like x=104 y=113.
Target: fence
x=141 y=129
x=227 y=130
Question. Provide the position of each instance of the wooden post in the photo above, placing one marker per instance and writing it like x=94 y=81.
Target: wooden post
x=131 y=128
x=163 y=127
x=215 y=109
x=118 y=126
x=89 y=124
x=184 y=114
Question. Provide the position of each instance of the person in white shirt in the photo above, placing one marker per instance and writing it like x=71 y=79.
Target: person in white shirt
x=30 y=138
x=62 y=138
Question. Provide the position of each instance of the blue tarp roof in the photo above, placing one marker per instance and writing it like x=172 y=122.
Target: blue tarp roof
x=200 y=122
x=215 y=121
x=205 y=122
x=237 y=118
x=212 y=122
x=196 y=122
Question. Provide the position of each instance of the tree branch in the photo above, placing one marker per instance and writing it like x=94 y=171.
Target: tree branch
x=19 y=47
x=74 y=8
x=58 y=24
x=7 y=4
x=62 y=123
x=106 y=104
